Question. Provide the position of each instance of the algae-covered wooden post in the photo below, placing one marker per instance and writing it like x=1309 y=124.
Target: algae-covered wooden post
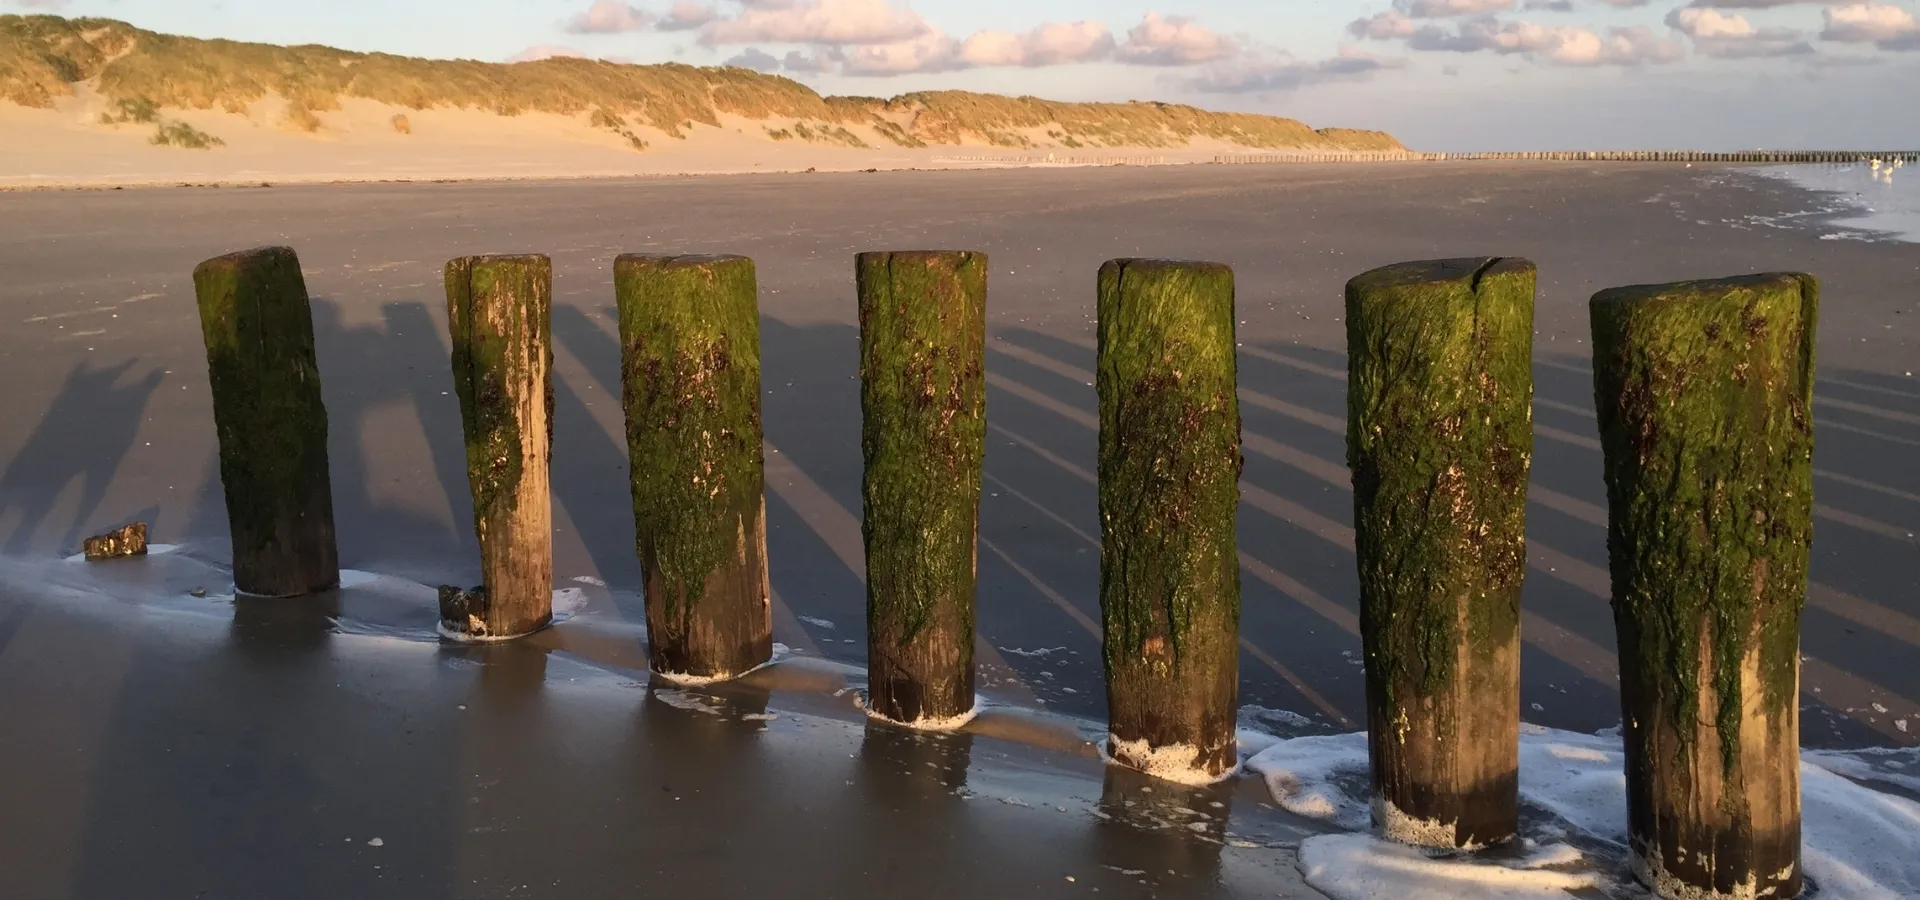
x=272 y=424
x=923 y=406
x=1703 y=391
x=690 y=378
x=499 y=309
x=1440 y=440
x=1169 y=470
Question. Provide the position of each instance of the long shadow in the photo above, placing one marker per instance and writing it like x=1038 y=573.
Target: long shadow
x=590 y=467
x=1567 y=462
x=237 y=765
x=400 y=507
x=84 y=437
x=1041 y=398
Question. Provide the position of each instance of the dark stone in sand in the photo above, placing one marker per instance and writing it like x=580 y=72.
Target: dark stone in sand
x=128 y=541
x=464 y=611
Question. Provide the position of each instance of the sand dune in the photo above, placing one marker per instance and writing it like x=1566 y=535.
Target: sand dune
x=98 y=102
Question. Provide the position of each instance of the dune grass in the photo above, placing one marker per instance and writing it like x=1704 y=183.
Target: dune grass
x=43 y=57
x=184 y=136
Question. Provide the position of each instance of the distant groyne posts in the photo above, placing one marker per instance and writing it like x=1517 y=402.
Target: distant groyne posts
x=499 y=310
x=1910 y=157
x=1034 y=159
x=1440 y=443
x=1703 y=392
x=272 y=424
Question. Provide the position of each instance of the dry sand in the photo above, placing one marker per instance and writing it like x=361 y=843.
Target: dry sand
x=68 y=146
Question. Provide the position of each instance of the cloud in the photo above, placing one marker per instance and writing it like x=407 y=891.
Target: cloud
x=1731 y=36
x=609 y=17
x=1389 y=25
x=1757 y=4
x=756 y=59
x=42 y=4
x=1444 y=9
x=1051 y=44
x=1563 y=45
x=686 y=16
x=1174 y=41
x=825 y=22
x=931 y=52
x=804 y=63
x=1891 y=27
x=1266 y=72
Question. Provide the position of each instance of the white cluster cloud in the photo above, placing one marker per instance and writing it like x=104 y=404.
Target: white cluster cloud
x=1175 y=41
x=610 y=17
x=877 y=37
x=1051 y=44
x=885 y=37
x=1731 y=36
x=1891 y=27
x=1279 y=71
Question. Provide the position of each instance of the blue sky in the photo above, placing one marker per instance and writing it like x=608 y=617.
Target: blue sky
x=1441 y=74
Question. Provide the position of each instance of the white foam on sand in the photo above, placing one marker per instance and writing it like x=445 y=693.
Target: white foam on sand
x=930 y=723
x=780 y=651
x=1177 y=763
x=1362 y=866
x=1860 y=843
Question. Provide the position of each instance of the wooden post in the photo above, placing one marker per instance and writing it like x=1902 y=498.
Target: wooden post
x=1169 y=470
x=1703 y=391
x=1440 y=441
x=690 y=376
x=499 y=309
x=923 y=404
x=271 y=421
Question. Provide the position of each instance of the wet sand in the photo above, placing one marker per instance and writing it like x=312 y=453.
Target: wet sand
x=109 y=419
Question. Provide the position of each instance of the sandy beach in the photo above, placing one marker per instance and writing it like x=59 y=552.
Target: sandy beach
x=110 y=421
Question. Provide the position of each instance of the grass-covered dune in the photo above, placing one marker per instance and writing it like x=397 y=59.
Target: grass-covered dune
x=43 y=59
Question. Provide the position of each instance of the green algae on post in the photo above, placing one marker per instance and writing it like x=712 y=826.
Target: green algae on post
x=1169 y=470
x=690 y=383
x=258 y=326
x=499 y=309
x=1440 y=441
x=1704 y=392
x=923 y=408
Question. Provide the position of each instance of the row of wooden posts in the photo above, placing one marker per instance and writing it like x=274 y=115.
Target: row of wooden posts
x=1693 y=156
x=1703 y=393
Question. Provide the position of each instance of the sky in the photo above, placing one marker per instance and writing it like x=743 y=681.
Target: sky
x=1439 y=74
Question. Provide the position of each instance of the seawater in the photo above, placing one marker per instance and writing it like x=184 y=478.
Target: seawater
x=1875 y=203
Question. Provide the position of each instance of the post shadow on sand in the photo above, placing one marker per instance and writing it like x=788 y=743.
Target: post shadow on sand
x=261 y=785
x=363 y=368
x=811 y=409
x=591 y=478
x=84 y=436
x=1319 y=651
x=1286 y=635
x=1571 y=466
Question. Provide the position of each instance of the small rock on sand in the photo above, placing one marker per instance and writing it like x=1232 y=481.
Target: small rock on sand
x=128 y=541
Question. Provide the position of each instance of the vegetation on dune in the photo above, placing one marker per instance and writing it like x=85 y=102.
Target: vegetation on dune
x=42 y=58
x=184 y=136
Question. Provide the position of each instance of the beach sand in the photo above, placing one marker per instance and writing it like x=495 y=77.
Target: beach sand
x=147 y=747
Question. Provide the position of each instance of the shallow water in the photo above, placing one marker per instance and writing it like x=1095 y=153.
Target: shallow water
x=1870 y=203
